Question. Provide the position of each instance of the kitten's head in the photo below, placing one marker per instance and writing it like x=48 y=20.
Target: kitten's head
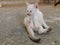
x=31 y=8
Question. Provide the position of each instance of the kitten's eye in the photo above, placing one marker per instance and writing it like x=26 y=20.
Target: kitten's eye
x=30 y=11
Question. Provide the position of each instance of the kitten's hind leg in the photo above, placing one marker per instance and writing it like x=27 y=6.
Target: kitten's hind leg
x=41 y=30
x=30 y=31
x=32 y=35
x=44 y=24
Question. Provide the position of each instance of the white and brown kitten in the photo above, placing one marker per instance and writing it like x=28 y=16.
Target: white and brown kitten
x=35 y=22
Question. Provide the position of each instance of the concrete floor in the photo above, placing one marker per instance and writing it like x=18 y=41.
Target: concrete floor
x=12 y=31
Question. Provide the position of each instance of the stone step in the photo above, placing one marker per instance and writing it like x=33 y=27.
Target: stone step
x=12 y=3
x=11 y=0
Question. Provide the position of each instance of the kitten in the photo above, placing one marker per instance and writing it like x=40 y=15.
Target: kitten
x=35 y=22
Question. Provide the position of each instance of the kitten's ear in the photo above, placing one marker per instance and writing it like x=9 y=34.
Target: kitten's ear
x=27 y=3
x=36 y=5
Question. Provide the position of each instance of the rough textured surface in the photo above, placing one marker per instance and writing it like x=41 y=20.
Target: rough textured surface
x=12 y=31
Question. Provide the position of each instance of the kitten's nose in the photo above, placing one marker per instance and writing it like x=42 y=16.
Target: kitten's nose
x=28 y=14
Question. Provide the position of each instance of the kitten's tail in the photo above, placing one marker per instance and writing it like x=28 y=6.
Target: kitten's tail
x=35 y=39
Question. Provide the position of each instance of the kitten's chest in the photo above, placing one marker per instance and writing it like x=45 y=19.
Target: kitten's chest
x=38 y=18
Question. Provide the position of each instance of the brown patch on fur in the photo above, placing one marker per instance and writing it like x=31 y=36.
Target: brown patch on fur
x=49 y=29
x=36 y=40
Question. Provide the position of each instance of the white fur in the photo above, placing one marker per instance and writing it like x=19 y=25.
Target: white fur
x=34 y=21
